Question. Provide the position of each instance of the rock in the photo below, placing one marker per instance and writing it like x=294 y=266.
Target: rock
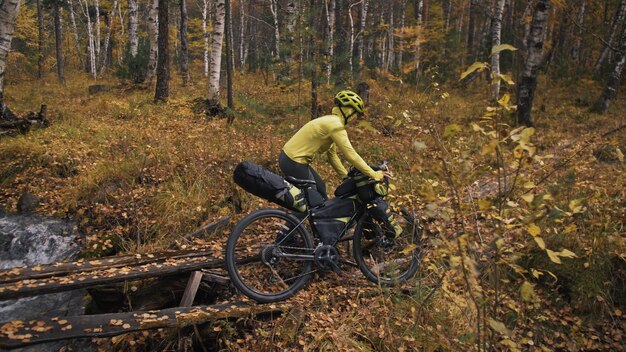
x=98 y=88
x=27 y=203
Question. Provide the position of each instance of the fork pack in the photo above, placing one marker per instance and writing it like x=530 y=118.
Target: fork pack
x=263 y=183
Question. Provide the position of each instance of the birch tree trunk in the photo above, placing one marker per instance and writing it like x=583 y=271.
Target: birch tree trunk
x=400 y=53
x=313 y=48
x=58 y=39
x=153 y=34
x=391 y=39
x=418 y=15
x=97 y=22
x=330 y=20
x=163 y=61
x=242 y=40
x=41 y=43
x=617 y=19
x=292 y=16
x=364 y=5
x=351 y=51
x=216 y=54
x=205 y=36
x=579 y=32
x=229 y=61
x=184 y=52
x=615 y=77
x=534 y=57
x=9 y=9
x=133 y=36
x=92 y=54
x=496 y=32
x=274 y=10
x=107 y=38
x=79 y=51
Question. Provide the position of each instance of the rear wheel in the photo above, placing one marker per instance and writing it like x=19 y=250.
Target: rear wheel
x=383 y=260
x=266 y=255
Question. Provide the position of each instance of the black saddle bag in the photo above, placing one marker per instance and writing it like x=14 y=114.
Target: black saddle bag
x=263 y=183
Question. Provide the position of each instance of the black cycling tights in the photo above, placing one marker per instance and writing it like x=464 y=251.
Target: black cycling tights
x=301 y=171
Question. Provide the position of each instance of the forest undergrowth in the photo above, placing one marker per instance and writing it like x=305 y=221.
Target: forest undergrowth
x=526 y=225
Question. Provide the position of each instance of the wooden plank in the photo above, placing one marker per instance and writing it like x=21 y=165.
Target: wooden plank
x=192 y=288
x=26 y=288
x=18 y=333
x=65 y=268
x=208 y=229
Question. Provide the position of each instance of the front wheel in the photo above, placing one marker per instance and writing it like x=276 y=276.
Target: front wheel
x=383 y=260
x=266 y=255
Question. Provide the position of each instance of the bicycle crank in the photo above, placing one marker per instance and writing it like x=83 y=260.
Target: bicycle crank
x=326 y=258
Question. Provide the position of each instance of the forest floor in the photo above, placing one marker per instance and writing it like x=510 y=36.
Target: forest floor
x=136 y=176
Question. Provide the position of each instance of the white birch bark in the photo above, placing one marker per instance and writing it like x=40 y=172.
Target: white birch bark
x=330 y=19
x=496 y=31
x=391 y=41
x=107 y=38
x=400 y=53
x=90 y=39
x=216 y=51
x=361 y=33
x=420 y=8
x=617 y=19
x=97 y=22
x=274 y=10
x=9 y=9
x=242 y=41
x=205 y=36
x=351 y=51
x=153 y=35
x=615 y=76
x=292 y=16
x=79 y=51
x=133 y=36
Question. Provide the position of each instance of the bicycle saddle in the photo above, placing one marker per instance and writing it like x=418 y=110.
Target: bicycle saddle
x=299 y=182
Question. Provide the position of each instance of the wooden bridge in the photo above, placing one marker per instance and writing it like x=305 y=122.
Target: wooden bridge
x=202 y=264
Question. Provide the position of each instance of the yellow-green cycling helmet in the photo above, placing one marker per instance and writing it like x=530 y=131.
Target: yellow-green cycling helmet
x=351 y=99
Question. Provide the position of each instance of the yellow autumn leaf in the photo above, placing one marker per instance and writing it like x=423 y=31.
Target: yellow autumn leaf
x=529 y=185
x=529 y=197
x=540 y=242
x=476 y=66
x=527 y=291
x=553 y=256
x=566 y=253
x=484 y=204
x=408 y=249
x=499 y=327
x=533 y=229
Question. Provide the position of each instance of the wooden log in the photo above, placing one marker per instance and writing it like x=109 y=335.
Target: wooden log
x=18 y=333
x=65 y=268
x=192 y=288
x=26 y=288
x=208 y=229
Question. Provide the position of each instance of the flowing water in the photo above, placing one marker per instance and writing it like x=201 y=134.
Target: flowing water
x=31 y=239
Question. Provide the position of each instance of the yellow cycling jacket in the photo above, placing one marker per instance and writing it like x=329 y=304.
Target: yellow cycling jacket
x=327 y=134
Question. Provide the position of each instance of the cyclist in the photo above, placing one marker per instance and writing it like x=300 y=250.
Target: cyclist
x=326 y=135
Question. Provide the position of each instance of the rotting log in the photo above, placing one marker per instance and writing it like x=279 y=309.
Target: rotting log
x=67 y=268
x=18 y=333
x=208 y=229
x=33 y=287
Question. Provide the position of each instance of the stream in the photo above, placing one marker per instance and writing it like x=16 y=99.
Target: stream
x=31 y=239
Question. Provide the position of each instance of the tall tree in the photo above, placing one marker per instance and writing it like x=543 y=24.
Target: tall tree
x=58 y=36
x=292 y=17
x=618 y=18
x=133 y=36
x=184 y=52
x=216 y=54
x=534 y=56
x=107 y=36
x=313 y=49
x=329 y=6
x=41 y=43
x=163 y=62
x=153 y=33
x=363 y=25
x=579 y=32
x=274 y=10
x=97 y=23
x=243 y=48
x=92 y=53
x=9 y=9
x=496 y=32
x=79 y=51
x=205 y=36
x=615 y=76
x=229 y=61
